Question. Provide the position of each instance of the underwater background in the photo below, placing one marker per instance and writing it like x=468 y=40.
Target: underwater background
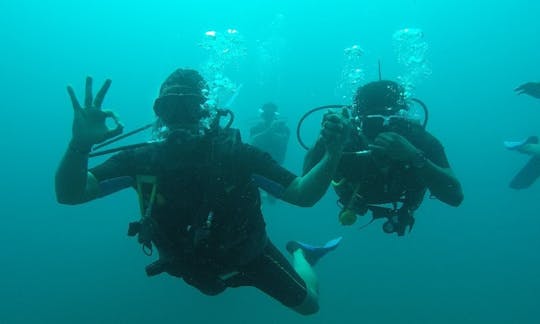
x=478 y=263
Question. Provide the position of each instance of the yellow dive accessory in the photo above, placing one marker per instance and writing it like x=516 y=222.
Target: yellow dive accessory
x=347 y=216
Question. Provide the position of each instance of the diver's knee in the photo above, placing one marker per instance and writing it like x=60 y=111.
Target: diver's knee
x=309 y=306
x=307 y=310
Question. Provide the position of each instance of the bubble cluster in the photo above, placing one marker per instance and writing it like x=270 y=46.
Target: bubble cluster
x=353 y=73
x=225 y=50
x=411 y=49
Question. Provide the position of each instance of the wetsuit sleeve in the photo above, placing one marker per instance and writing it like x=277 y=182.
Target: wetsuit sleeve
x=434 y=151
x=260 y=163
x=119 y=165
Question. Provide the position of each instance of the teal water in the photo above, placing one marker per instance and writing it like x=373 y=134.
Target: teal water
x=478 y=263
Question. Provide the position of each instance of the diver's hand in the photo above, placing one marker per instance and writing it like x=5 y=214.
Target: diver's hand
x=395 y=147
x=89 y=122
x=529 y=88
x=336 y=128
x=530 y=149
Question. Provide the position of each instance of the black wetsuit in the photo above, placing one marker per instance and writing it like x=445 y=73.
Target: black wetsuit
x=212 y=177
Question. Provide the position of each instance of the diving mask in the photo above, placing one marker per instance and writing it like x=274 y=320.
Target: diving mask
x=180 y=108
x=372 y=125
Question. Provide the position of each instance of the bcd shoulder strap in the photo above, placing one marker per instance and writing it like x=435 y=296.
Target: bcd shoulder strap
x=145 y=227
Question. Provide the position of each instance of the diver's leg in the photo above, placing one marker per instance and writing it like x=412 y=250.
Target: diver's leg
x=310 y=305
x=275 y=276
x=305 y=256
x=295 y=286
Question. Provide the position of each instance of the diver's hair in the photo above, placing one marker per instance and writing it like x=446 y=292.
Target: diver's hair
x=375 y=97
x=185 y=79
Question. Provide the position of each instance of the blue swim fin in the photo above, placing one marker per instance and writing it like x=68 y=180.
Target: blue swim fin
x=527 y=175
x=311 y=252
x=515 y=145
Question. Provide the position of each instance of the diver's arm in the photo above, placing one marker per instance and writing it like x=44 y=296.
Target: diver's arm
x=440 y=180
x=313 y=156
x=281 y=135
x=73 y=183
x=317 y=152
x=255 y=138
x=442 y=183
x=531 y=149
x=306 y=190
x=254 y=130
x=278 y=129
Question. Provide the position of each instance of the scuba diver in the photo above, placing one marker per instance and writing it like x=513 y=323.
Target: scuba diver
x=271 y=134
x=529 y=146
x=198 y=196
x=389 y=163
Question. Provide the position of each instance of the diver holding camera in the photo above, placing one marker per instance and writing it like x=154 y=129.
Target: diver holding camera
x=390 y=160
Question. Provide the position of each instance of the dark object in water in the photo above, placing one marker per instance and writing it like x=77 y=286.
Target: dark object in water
x=527 y=175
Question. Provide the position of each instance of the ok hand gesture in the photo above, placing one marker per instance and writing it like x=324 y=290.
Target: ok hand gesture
x=89 y=121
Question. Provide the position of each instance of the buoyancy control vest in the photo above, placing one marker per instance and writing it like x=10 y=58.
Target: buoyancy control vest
x=197 y=209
